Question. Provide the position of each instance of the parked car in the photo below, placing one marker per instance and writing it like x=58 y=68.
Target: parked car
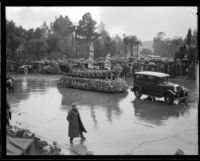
x=25 y=68
x=10 y=83
x=49 y=69
x=156 y=84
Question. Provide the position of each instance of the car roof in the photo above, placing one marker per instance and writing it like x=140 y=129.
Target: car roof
x=157 y=74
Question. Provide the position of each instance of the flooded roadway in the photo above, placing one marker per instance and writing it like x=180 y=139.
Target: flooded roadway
x=117 y=124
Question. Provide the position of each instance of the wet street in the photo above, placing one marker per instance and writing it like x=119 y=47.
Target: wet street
x=117 y=124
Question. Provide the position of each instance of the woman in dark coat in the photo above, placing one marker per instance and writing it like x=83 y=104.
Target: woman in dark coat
x=75 y=124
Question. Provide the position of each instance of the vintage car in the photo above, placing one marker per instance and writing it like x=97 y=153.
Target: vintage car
x=25 y=69
x=10 y=83
x=156 y=84
x=50 y=69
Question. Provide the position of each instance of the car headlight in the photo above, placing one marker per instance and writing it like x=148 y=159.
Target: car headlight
x=175 y=89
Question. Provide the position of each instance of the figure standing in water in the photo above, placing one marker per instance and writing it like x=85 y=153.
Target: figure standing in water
x=76 y=127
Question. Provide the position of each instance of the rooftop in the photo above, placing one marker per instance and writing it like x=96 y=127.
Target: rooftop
x=157 y=74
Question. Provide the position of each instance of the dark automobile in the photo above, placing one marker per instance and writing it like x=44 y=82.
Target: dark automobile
x=156 y=84
x=50 y=69
x=10 y=84
x=25 y=68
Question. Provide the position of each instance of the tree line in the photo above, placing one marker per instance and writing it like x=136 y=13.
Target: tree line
x=64 y=38
x=177 y=47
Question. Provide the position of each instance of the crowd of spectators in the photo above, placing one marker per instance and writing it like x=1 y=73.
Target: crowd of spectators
x=173 y=68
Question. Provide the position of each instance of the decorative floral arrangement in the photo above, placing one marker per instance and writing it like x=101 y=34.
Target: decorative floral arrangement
x=102 y=85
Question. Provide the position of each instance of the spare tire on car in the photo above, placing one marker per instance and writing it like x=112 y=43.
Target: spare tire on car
x=169 y=98
x=138 y=92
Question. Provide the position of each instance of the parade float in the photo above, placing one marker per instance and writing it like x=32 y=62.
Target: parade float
x=106 y=80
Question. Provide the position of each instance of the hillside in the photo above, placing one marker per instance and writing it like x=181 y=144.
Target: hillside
x=147 y=44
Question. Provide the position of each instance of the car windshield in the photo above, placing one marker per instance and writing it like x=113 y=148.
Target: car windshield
x=164 y=79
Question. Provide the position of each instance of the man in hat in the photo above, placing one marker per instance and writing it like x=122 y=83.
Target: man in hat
x=75 y=124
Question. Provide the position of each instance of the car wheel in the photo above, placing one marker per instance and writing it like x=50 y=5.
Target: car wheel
x=169 y=98
x=138 y=92
x=12 y=88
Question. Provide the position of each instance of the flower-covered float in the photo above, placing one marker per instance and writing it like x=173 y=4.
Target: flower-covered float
x=96 y=80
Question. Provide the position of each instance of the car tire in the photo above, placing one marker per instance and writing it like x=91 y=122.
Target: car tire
x=13 y=90
x=138 y=92
x=26 y=70
x=169 y=98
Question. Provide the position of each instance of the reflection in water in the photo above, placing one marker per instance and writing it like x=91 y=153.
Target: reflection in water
x=157 y=112
x=106 y=101
x=93 y=116
x=27 y=85
x=42 y=108
x=24 y=83
x=80 y=149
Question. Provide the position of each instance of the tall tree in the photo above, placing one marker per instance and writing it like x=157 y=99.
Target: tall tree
x=159 y=44
x=60 y=37
x=29 y=34
x=15 y=37
x=37 y=47
x=194 y=42
x=161 y=35
x=102 y=44
x=138 y=43
x=119 y=46
x=189 y=37
x=180 y=54
x=194 y=38
x=132 y=43
x=86 y=28
x=126 y=43
x=38 y=33
x=65 y=46
x=175 y=43
x=36 y=43
x=53 y=43
x=62 y=26
x=45 y=29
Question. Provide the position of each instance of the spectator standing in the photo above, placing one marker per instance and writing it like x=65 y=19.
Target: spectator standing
x=76 y=127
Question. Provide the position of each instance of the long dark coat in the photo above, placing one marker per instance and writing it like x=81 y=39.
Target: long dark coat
x=75 y=124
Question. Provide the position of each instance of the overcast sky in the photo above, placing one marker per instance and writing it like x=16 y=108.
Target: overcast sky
x=144 y=22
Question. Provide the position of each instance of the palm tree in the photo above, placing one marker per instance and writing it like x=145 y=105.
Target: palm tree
x=126 y=43
x=138 y=43
x=132 y=43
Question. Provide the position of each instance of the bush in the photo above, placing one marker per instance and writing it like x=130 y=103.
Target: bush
x=42 y=147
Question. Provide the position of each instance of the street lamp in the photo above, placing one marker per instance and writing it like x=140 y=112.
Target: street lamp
x=75 y=32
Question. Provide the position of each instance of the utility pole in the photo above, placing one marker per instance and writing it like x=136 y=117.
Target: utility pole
x=124 y=45
x=75 y=32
